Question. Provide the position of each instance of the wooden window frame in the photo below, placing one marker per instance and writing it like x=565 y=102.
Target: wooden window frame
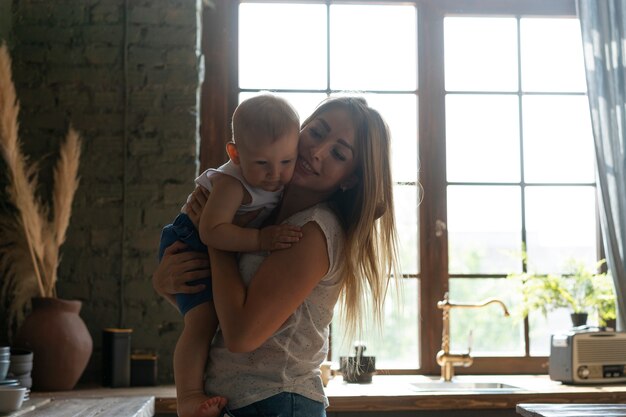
x=433 y=249
x=219 y=98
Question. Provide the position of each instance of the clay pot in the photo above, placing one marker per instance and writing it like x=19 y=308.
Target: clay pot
x=578 y=319
x=60 y=342
x=611 y=323
x=358 y=368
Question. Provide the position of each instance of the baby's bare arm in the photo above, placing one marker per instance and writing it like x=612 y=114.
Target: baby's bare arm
x=218 y=231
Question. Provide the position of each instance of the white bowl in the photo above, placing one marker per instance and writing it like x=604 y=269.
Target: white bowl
x=25 y=381
x=4 y=369
x=11 y=398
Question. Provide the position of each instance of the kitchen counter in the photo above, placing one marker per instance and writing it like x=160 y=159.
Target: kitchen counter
x=86 y=406
x=396 y=393
x=571 y=410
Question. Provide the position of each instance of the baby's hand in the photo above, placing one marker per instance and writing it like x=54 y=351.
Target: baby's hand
x=279 y=237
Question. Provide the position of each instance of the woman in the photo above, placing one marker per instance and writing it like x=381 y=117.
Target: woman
x=275 y=309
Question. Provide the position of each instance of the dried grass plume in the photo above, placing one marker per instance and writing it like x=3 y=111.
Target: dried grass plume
x=31 y=230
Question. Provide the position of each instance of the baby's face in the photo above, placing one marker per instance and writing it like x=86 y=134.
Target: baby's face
x=269 y=166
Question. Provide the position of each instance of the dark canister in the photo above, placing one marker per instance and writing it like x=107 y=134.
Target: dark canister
x=358 y=368
x=116 y=357
x=143 y=369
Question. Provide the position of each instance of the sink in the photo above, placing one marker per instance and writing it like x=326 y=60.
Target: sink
x=464 y=386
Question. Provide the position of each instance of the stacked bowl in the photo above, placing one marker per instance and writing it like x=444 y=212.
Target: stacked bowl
x=21 y=366
x=5 y=355
x=11 y=393
x=11 y=398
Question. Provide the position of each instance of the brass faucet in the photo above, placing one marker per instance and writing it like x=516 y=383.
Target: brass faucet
x=448 y=360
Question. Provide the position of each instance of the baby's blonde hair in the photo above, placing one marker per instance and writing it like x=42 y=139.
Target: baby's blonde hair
x=367 y=213
x=263 y=117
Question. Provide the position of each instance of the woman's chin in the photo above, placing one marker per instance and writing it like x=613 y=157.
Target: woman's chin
x=296 y=179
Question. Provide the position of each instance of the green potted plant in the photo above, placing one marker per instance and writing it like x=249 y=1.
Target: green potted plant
x=581 y=290
x=605 y=299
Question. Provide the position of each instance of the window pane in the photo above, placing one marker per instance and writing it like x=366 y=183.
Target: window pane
x=304 y=103
x=552 y=55
x=492 y=333
x=396 y=347
x=482 y=138
x=480 y=54
x=373 y=47
x=400 y=114
x=560 y=226
x=558 y=141
x=405 y=199
x=542 y=327
x=484 y=229
x=272 y=38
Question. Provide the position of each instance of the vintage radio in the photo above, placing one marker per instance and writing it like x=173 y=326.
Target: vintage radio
x=589 y=356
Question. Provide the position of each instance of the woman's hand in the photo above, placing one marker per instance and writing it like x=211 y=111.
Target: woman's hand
x=178 y=267
x=195 y=203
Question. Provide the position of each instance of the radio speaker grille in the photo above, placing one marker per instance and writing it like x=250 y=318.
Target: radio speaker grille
x=601 y=350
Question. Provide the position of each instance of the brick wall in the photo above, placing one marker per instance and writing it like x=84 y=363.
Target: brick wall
x=124 y=74
x=5 y=19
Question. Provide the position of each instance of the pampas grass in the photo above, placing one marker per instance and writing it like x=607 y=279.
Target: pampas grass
x=31 y=231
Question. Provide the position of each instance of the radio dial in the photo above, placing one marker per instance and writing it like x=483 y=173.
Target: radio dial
x=583 y=372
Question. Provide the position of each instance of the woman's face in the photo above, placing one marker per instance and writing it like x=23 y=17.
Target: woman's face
x=327 y=156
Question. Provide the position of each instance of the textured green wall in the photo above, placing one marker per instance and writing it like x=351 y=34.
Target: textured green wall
x=126 y=75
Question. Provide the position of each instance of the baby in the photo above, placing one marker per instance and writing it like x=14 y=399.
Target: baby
x=262 y=155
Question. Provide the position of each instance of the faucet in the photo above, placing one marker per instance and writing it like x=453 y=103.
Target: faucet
x=448 y=360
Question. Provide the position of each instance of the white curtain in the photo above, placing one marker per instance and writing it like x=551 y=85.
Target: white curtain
x=603 y=24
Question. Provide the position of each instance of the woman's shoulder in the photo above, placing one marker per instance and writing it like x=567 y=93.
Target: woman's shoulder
x=325 y=218
x=321 y=213
x=330 y=227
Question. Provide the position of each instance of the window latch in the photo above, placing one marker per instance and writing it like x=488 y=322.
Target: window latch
x=440 y=228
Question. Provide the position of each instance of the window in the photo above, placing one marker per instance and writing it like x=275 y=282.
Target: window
x=519 y=168
x=492 y=150
x=340 y=48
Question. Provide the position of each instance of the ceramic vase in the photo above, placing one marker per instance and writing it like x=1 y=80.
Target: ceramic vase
x=60 y=342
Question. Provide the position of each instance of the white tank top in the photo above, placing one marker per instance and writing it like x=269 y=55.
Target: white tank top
x=267 y=200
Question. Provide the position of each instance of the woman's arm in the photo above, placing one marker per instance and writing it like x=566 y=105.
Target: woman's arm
x=249 y=316
x=176 y=268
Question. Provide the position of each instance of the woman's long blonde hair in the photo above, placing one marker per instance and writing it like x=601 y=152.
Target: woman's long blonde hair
x=367 y=213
